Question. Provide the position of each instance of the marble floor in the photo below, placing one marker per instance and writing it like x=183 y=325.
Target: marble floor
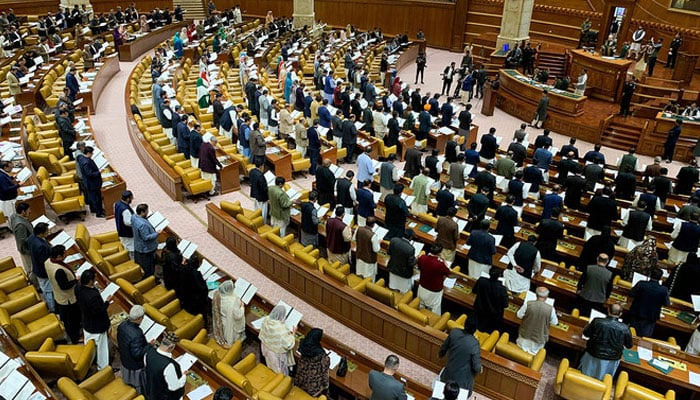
x=189 y=219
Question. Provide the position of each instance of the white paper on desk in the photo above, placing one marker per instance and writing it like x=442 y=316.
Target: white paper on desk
x=637 y=277
x=109 y=290
x=696 y=302
x=449 y=282
x=335 y=358
x=595 y=314
x=257 y=324
x=13 y=384
x=73 y=257
x=644 y=353
x=186 y=361
x=79 y=101
x=8 y=367
x=547 y=273
x=37 y=396
x=694 y=378
x=200 y=393
x=61 y=239
x=24 y=174
x=26 y=392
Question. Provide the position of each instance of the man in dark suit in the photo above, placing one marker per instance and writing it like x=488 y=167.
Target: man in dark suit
x=625 y=184
x=594 y=174
x=92 y=181
x=489 y=146
x=258 y=188
x=575 y=185
x=663 y=185
x=477 y=206
x=594 y=155
x=463 y=356
x=568 y=163
x=72 y=85
x=482 y=249
x=543 y=158
x=519 y=152
x=445 y=200
x=533 y=176
x=653 y=170
x=567 y=148
x=549 y=231
x=401 y=262
x=507 y=219
x=485 y=179
x=413 y=165
x=66 y=132
x=551 y=201
x=325 y=183
x=383 y=384
x=649 y=296
x=602 y=210
x=543 y=140
x=687 y=178
x=218 y=109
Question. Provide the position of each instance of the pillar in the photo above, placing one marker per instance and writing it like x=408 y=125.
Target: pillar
x=515 y=23
x=303 y=13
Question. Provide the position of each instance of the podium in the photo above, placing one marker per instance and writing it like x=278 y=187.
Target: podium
x=685 y=67
x=489 y=102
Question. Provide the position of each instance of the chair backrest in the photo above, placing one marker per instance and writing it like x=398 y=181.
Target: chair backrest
x=132 y=291
x=82 y=237
x=413 y=314
x=382 y=294
x=571 y=384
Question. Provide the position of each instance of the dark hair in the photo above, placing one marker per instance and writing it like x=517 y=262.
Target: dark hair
x=87 y=276
x=141 y=208
x=398 y=189
x=223 y=393
x=21 y=207
x=279 y=181
x=656 y=273
x=58 y=251
x=41 y=228
x=471 y=324
x=451 y=390
x=126 y=194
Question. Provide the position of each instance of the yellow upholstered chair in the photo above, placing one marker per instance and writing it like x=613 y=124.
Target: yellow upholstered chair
x=342 y=274
x=117 y=265
x=105 y=244
x=571 y=384
x=16 y=294
x=175 y=319
x=63 y=201
x=511 y=351
x=72 y=361
x=626 y=390
x=193 y=182
x=384 y=151
x=389 y=297
x=146 y=291
x=487 y=341
x=60 y=183
x=31 y=326
x=8 y=270
x=209 y=351
x=424 y=317
x=287 y=391
x=102 y=385
x=250 y=375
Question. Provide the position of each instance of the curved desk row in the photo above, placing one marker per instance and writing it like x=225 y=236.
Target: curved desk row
x=132 y=50
x=104 y=74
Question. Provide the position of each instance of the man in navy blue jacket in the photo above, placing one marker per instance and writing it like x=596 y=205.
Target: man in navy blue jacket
x=92 y=181
x=483 y=247
x=649 y=296
x=183 y=137
x=72 y=85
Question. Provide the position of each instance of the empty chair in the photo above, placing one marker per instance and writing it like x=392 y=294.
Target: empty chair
x=250 y=375
x=626 y=390
x=571 y=384
x=511 y=351
x=102 y=385
x=174 y=318
x=146 y=291
x=31 y=326
x=209 y=351
x=70 y=360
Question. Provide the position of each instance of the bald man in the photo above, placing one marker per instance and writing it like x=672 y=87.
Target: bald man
x=607 y=338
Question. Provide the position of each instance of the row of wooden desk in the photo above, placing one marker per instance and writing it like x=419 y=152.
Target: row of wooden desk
x=131 y=50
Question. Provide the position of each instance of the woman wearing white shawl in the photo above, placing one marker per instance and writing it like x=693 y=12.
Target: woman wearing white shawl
x=277 y=341
x=228 y=315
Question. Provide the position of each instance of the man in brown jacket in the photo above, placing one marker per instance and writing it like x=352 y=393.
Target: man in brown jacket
x=537 y=315
x=447 y=235
x=368 y=244
x=257 y=144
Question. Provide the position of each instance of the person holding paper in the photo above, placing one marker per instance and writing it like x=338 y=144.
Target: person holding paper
x=313 y=366
x=648 y=298
x=537 y=315
x=601 y=243
x=683 y=280
x=132 y=346
x=163 y=379
x=595 y=285
x=123 y=213
x=491 y=300
x=636 y=223
x=40 y=251
x=259 y=189
x=338 y=237
x=463 y=356
x=8 y=189
x=92 y=182
x=192 y=290
x=447 y=235
x=433 y=272
x=228 y=316
x=367 y=244
x=686 y=235
x=22 y=228
x=277 y=341
x=145 y=240
x=640 y=259
x=420 y=185
x=280 y=204
x=309 y=221
x=94 y=315
x=383 y=384
x=63 y=282
x=606 y=339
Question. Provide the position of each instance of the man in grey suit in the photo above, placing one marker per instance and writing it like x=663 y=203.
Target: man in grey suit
x=383 y=384
x=463 y=356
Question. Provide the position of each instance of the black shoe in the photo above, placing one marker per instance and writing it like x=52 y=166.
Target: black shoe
x=100 y=215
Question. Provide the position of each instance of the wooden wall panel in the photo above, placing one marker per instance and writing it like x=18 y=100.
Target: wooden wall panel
x=142 y=5
x=25 y=7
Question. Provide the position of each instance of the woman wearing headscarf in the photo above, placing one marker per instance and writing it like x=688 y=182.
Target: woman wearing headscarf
x=172 y=264
x=641 y=259
x=313 y=365
x=178 y=45
x=277 y=341
x=396 y=87
x=684 y=279
x=228 y=315
x=194 y=293
x=183 y=36
x=288 y=87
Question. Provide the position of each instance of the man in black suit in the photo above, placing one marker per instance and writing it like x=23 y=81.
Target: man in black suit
x=594 y=174
x=567 y=164
x=477 y=206
x=463 y=356
x=625 y=183
x=663 y=186
x=649 y=296
x=92 y=181
x=602 y=210
x=687 y=178
x=416 y=102
x=325 y=183
x=543 y=140
x=485 y=179
x=383 y=384
x=636 y=223
x=445 y=199
x=533 y=176
x=258 y=188
x=519 y=151
x=489 y=146
x=401 y=262
x=413 y=165
x=567 y=148
x=507 y=219
x=218 y=108
x=549 y=231
x=482 y=249
x=575 y=185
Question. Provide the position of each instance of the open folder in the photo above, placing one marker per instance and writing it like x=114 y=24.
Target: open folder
x=151 y=329
x=292 y=316
x=244 y=290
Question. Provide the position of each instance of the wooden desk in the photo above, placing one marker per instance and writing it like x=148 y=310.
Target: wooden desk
x=104 y=74
x=530 y=92
x=132 y=50
x=653 y=137
x=605 y=76
x=407 y=56
x=230 y=176
x=281 y=163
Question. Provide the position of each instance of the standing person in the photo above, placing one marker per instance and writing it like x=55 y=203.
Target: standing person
x=228 y=316
x=653 y=54
x=367 y=247
x=581 y=83
x=421 y=63
x=648 y=298
x=536 y=317
x=627 y=92
x=195 y=144
x=365 y=166
x=671 y=140
x=686 y=235
x=673 y=48
x=524 y=260
x=312 y=369
x=257 y=144
x=92 y=181
x=491 y=300
x=8 y=189
x=280 y=205
x=145 y=240
x=349 y=137
x=277 y=341
x=402 y=259
x=258 y=189
x=541 y=112
x=396 y=213
x=22 y=229
x=420 y=185
x=193 y=290
x=309 y=221
x=122 y=218
x=94 y=316
x=325 y=183
x=314 y=146
x=447 y=235
x=447 y=76
x=63 y=283
x=209 y=163
x=365 y=202
x=433 y=272
x=40 y=249
x=483 y=247
x=595 y=285
x=162 y=377
x=463 y=356
x=606 y=339
x=383 y=384
x=338 y=237
x=132 y=346
x=301 y=138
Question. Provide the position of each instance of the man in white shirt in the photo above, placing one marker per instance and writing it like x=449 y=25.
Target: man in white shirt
x=526 y=261
x=581 y=83
x=164 y=379
x=537 y=315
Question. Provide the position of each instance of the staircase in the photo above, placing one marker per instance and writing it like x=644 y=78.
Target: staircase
x=620 y=135
x=555 y=62
x=195 y=8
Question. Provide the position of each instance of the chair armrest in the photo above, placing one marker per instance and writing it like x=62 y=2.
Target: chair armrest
x=34 y=339
x=107 y=237
x=145 y=285
x=233 y=353
x=20 y=303
x=32 y=313
x=118 y=258
x=191 y=328
x=98 y=380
